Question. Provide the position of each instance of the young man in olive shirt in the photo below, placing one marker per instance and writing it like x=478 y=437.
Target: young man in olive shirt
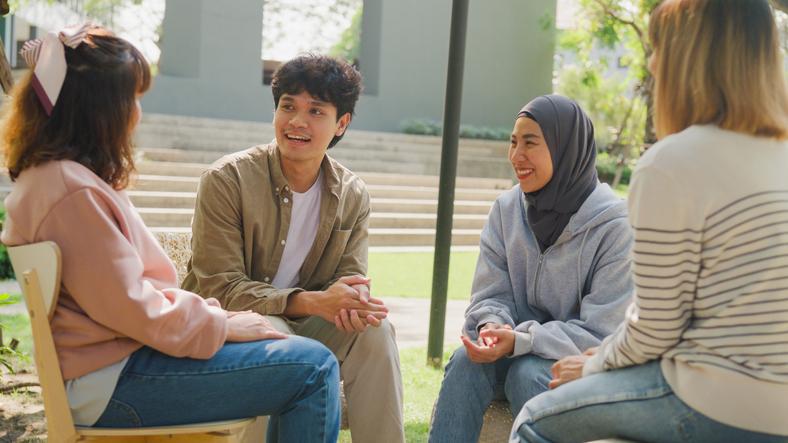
x=281 y=229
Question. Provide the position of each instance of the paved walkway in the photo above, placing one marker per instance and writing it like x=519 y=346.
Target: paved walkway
x=411 y=317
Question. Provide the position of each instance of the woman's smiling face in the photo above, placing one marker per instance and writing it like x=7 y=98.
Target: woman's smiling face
x=530 y=156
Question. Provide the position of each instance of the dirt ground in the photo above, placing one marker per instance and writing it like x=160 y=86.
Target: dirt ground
x=21 y=410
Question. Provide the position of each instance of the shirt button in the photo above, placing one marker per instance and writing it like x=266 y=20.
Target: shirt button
x=283 y=242
x=286 y=200
x=267 y=279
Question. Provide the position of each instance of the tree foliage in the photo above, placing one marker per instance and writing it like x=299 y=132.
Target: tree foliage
x=278 y=15
x=349 y=45
x=611 y=34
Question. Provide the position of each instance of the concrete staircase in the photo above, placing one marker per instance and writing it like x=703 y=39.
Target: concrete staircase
x=199 y=140
x=401 y=172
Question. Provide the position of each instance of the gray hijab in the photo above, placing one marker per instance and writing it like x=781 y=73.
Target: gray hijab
x=569 y=134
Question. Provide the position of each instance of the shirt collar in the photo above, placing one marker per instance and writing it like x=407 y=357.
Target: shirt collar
x=331 y=176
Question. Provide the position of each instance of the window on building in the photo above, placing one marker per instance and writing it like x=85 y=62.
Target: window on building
x=293 y=27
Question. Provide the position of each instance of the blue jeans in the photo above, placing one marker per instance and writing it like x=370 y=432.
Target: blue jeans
x=634 y=403
x=294 y=380
x=468 y=389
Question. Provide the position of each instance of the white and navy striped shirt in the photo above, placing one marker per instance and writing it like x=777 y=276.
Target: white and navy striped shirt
x=709 y=209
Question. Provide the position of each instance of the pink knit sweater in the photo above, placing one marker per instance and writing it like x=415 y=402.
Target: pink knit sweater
x=119 y=289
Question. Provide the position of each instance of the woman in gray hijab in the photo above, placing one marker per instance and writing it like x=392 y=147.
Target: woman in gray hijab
x=553 y=273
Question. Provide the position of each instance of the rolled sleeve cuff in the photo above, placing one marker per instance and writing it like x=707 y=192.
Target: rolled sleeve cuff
x=275 y=301
x=523 y=343
x=594 y=365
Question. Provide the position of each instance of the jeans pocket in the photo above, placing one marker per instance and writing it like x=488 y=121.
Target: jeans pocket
x=119 y=415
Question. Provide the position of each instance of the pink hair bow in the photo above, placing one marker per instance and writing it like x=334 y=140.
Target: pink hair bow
x=47 y=57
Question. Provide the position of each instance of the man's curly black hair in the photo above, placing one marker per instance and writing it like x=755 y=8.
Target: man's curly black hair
x=326 y=78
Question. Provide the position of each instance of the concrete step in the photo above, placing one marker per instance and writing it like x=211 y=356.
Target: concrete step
x=387 y=163
x=186 y=201
x=429 y=192
x=167 y=217
x=387 y=220
x=380 y=178
x=145 y=182
x=163 y=199
x=346 y=153
x=182 y=217
x=428 y=206
x=261 y=132
x=420 y=237
x=224 y=141
x=176 y=169
x=190 y=184
x=377 y=236
x=171 y=168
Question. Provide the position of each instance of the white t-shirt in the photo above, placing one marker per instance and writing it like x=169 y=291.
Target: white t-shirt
x=304 y=220
x=89 y=395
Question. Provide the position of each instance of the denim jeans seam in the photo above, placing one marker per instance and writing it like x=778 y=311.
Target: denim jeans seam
x=323 y=399
x=600 y=399
x=531 y=430
x=133 y=373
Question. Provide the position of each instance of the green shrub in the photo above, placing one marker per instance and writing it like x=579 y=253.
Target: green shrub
x=606 y=168
x=422 y=126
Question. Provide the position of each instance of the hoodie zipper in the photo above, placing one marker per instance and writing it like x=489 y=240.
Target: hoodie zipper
x=543 y=254
x=539 y=271
x=539 y=264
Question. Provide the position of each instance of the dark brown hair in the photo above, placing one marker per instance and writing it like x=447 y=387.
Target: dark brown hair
x=92 y=121
x=326 y=78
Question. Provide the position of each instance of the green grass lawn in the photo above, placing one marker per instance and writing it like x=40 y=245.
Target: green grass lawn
x=421 y=385
x=17 y=326
x=409 y=274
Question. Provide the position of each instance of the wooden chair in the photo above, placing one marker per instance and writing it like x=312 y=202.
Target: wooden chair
x=37 y=268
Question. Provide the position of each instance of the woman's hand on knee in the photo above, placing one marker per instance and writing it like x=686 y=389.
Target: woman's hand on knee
x=567 y=369
x=250 y=326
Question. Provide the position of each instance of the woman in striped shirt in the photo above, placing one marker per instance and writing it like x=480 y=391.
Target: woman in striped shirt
x=703 y=352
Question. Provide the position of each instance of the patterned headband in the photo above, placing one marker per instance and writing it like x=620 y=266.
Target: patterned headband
x=47 y=57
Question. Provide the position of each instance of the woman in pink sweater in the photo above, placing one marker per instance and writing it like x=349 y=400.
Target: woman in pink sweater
x=134 y=349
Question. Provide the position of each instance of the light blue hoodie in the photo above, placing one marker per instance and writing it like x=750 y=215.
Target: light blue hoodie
x=564 y=300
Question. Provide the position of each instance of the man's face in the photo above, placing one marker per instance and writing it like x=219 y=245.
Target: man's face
x=305 y=125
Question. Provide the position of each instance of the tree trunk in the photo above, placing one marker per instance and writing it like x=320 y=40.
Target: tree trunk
x=617 y=176
x=650 y=134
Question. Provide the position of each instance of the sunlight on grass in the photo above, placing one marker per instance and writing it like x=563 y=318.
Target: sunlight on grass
x=17 y=326
x=421 y=384
x=409 y=274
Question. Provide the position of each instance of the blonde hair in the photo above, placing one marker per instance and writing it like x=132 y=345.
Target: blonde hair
x=718 y=62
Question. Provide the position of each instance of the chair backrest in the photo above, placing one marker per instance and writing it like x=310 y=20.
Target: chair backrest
x=44 y=257
x=37 y=269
